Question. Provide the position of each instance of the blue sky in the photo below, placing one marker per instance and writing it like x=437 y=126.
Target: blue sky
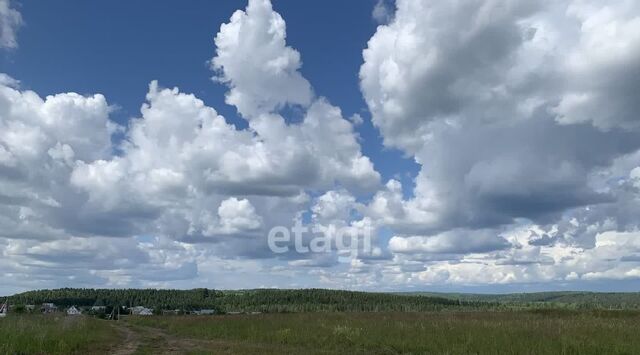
x=488 y=146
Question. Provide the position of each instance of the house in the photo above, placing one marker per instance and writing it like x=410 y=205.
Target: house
x=99 y=309
x=170 y=312
x=141 y=311
x=30 y=308
x=4 y=309
x=73 y=311
x=146 y=312
x=204 y=312
x=49 y=308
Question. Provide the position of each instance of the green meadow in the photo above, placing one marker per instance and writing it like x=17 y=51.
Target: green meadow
x=511 y=332
x=442 y=332
x=55 y=334
x=317 y=321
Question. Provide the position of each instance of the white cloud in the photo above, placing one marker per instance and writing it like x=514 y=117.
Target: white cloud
x=381 y=13
x=478 y=107
x=253 y=58
x=10 y=22
x=238 y=215
x=517 y=112
x=450 y=242
x=334 y=205
x=600 y=64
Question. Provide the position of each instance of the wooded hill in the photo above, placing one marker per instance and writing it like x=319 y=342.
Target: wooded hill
x=319 y=300
x=262 y=300
x=566 y=299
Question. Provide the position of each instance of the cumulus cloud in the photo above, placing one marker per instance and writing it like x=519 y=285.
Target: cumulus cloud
x=518 y=112
x=382 y=13
x=253 y=58
x=600 y=65
x=10 y=22
x=450 y=242
x=40 y=141
x=238 y=215
x=478 y=106
x=172 y=170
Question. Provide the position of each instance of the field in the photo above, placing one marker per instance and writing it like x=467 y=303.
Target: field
x=55 y=334
x=443 y=332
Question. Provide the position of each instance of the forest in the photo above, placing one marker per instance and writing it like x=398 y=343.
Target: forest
x=260 y=300
x=319 y=300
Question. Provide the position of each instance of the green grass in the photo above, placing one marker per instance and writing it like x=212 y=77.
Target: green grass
x=54 y=334
x=534 y=332
x=544 y=331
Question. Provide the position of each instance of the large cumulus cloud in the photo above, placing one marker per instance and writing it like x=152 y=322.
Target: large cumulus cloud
x=482 y=94
x=254 y=59
x=519 y=113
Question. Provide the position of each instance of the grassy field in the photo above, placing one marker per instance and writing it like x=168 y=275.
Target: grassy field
x=54 y=334
x=535 y=332
x=477 y=332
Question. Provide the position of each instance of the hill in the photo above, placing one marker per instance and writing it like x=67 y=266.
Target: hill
x=573 y=299
x=260 y=300
x=322 y=300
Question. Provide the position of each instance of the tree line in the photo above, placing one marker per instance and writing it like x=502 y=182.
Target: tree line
x=261 y=300
x=152 y=298
x=316 y=300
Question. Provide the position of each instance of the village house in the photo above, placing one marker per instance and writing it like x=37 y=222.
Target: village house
x=141 y=311
x=4 y=308
x=73 y=311
x=170 y=312
x=204 y=312
x=48 y=308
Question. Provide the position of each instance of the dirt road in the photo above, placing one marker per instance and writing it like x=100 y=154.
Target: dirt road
x=137 y=339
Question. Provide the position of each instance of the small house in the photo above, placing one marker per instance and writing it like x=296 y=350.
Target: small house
x=170 y=312
x=49 y=308
x=73 y=311
x=205 y=312
x=4 y=309
x=141 y=311
x=146 y=312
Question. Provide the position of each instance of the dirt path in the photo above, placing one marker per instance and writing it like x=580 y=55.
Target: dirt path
x=162 y=343
x=128 y=343
x=149 y=340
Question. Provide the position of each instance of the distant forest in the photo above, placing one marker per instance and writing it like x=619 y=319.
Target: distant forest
x=318 y=300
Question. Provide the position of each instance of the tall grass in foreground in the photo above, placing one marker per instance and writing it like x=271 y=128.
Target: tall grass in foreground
x=532 y=332
x=54 y=334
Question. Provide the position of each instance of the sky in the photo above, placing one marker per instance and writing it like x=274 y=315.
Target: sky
x=479 y=146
